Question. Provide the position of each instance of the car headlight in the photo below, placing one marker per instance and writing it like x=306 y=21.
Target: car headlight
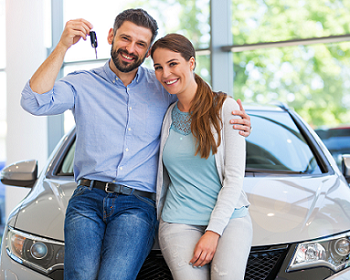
x=332 y=252
x=38 y=253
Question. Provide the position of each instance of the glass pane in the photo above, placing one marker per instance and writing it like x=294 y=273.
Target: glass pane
x=101 y=15
x=278 y=20
x=190 y=18
x=314 y=80
x=68 y=162
x=282 y=149
x=203 y=67
x=3 y=131
x=337 y=141
x=81 y=66
x=2 y=31
x=3 y=126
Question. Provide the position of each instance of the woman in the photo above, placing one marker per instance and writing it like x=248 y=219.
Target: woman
x=205 y=230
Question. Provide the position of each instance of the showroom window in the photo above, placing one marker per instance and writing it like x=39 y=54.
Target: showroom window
x=314 y=80
x=311 y=76
x=257 y=21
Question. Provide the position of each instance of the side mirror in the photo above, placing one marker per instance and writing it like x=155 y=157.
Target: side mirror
x=22 y=174
x=345 y=166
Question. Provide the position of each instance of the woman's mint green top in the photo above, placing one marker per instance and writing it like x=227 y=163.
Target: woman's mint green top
x=194 y=181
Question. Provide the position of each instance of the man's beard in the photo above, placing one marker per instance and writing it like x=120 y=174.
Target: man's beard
x=123 y=66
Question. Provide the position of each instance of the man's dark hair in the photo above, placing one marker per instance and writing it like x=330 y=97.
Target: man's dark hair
x=139 y=17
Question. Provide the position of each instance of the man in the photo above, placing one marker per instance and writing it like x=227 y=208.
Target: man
x=118 y=109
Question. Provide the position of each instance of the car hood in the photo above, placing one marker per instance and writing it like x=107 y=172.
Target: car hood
x=43 y=211
x=297 y=208
x=283 y=209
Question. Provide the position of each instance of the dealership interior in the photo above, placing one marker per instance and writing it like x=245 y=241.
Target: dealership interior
x=296 y=52
x=288 y=61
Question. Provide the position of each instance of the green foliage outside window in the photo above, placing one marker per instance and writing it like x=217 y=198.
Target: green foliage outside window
x=314 y=79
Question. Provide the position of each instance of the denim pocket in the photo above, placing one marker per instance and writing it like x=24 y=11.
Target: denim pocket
x=147 y=200
x=79 y=190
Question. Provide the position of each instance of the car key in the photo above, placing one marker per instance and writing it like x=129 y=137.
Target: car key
x=93 y=40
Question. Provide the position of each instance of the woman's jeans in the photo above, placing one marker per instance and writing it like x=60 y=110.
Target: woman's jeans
x=107 y=235
x=177 y=242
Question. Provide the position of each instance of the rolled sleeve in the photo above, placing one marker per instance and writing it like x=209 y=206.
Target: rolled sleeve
x=53 y=102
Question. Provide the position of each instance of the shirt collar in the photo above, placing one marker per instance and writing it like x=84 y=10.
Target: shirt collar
x=113 y=77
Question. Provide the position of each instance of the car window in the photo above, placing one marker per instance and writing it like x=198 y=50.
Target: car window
x=337 y=141
x=276 y=143
x=68 y=162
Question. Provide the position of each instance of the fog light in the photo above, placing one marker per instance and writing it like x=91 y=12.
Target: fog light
x=38 y=250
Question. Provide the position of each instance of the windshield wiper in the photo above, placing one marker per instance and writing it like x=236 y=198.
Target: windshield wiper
x=256 y=170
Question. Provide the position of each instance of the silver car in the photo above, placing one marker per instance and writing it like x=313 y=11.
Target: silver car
x=300 y=207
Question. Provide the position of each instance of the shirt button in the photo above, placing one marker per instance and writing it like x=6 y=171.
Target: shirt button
x=127 y=149
x=129 y=129
x=130 y=108
x=121 y=168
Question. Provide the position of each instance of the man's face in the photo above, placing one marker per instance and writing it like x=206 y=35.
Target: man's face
x=130 y=46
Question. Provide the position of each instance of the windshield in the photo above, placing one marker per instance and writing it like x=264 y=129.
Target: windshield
x=276 y=144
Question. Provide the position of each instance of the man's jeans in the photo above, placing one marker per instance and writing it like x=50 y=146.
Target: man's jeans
x=107 y=235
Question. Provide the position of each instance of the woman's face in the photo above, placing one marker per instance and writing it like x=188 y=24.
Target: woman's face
x=174 y=72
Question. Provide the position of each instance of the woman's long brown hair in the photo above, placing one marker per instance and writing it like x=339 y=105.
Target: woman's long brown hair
x=206 y=104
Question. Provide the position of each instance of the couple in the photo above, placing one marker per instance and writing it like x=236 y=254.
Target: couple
x=119 y=110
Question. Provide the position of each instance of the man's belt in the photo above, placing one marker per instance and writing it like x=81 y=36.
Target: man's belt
x=115 y=188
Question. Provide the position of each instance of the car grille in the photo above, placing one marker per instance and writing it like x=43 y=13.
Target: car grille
x=154 y=268
x=261 y=263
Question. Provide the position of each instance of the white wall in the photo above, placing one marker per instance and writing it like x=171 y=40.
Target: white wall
x=25 y=51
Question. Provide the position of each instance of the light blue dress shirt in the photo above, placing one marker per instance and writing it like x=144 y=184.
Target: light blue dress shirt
x=117 y=127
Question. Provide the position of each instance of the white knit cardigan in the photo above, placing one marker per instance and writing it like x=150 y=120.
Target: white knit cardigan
x=230 y=163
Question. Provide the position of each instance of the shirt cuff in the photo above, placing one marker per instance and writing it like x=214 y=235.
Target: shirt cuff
x=41 y=99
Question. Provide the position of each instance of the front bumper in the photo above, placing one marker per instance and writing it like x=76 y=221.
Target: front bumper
x=11 y=270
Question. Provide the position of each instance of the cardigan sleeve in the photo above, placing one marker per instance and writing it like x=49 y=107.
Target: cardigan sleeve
x=231 y=194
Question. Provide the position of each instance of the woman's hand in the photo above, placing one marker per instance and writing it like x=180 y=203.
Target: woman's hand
x=243 y=124
x=205 y=249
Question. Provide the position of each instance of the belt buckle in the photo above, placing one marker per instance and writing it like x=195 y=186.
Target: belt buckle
x=107 y=190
